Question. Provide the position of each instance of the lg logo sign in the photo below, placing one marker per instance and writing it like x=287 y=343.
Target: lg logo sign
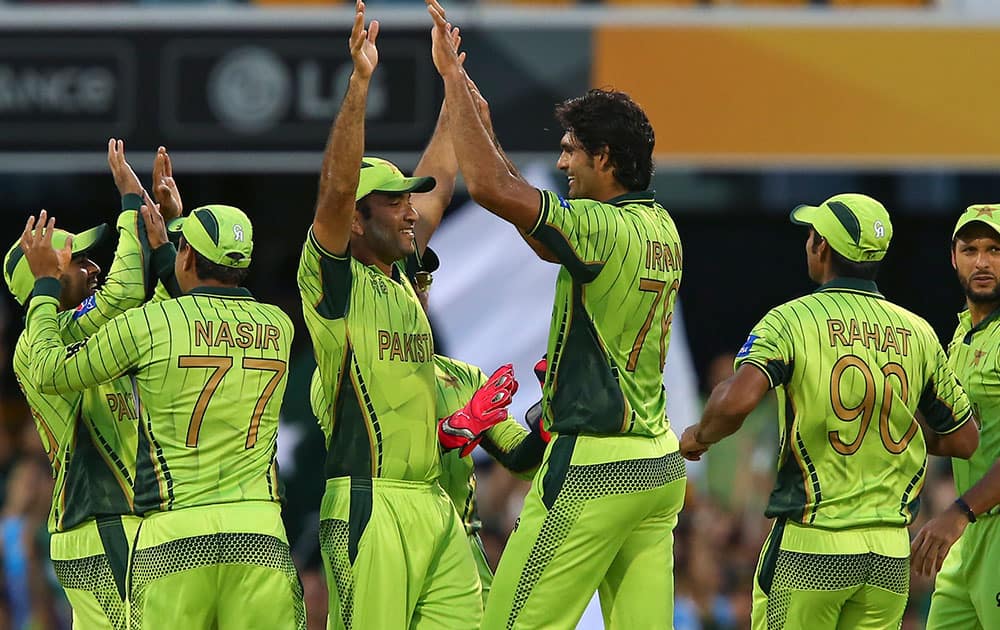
x=251 y=90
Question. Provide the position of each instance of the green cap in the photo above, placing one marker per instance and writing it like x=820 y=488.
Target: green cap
x=856 y=226
x=378 y=175
x=988 y=214
x=18 y=275
x=222 y=234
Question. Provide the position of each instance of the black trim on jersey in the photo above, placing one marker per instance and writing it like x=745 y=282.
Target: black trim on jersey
x=162 y=262
x=586 y=396
x=359 y=514
x=147 y=484
x=813 y=476
x=335 y=278
x=524 y=457
x=112 y=534
x=146 y=255
x=644 y=197
x=989 y=319
x=90 y=488
x=905 y=503
x=555 y=240
x=938 y=414
x=788 y=498
x=765 y=576
x=851 y=284
x=222 y=292
x=47 y=286
x=558 y=467
x=776 y=370
x=349 y=448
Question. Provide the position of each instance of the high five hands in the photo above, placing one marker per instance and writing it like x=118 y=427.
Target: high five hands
x=445 y=40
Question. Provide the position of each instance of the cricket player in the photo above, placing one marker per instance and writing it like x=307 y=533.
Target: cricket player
x=208 y=371
x=394 y=549
x=90 y=435
x=602 y=508
x=852 y=372
x=967 y=589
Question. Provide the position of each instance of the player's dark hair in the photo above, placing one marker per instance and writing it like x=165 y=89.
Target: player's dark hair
x=845 y=268
x=850 y=269
x=610 y=119
x=208 y=270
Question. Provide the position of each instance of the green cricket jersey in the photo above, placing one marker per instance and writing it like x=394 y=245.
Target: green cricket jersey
x=90 y=436
x=207 y=370
x=621 y=268
x=456 y=384
x=851 y=370
x=375 y=396
x=974 y=354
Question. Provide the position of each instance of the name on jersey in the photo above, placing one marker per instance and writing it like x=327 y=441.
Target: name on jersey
x=247 y=335
x=663 y=256
x=878 y=337
x=409 y=347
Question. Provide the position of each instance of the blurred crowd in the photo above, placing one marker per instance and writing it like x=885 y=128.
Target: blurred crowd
x=718 y=538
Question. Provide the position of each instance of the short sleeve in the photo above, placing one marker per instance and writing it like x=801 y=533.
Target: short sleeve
x=324 y=280
x=769 y=348
x=580 y=232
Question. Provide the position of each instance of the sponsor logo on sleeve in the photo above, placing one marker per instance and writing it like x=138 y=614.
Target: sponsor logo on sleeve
x=84 y=307
x=747 y=347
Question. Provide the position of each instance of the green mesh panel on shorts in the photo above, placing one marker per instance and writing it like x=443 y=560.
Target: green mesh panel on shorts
x=149 y=565
x=333 y=542
x=795 y=571
x=582 y=484
x=93 y=574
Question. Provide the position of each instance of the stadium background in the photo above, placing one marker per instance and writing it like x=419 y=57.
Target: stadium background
x=757 y=106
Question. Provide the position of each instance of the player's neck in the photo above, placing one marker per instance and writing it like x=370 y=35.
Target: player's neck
x=610 y=191
x=981 y=310
x=367 y=257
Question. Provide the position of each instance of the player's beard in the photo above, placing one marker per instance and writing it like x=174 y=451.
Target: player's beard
x=980 y=297
x=387 y=243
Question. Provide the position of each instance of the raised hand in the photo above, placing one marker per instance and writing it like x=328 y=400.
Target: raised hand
x=125 y=178
x=164 y=187
x=363 y=49
x=152 y=216
x=44 y=261
x=444 y=41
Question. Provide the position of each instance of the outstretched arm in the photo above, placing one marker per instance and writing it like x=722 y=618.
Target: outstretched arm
x=487 y=175
x=338 y=179
x=438 y=161
x=728 y=406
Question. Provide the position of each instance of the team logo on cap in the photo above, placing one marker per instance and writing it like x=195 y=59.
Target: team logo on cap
x=879 y=229
x=238 y=233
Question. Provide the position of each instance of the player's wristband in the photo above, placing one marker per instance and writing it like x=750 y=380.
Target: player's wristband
x=962 y=505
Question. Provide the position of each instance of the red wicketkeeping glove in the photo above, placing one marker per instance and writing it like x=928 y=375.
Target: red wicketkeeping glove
x=464 y=429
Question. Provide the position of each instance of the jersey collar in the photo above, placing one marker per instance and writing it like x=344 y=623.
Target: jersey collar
x=965 y=319
x=637 y=196
x=226 y=292
x=853 y=285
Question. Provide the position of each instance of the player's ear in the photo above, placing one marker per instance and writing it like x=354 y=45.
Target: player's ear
x=357 y=227
x=602 y=159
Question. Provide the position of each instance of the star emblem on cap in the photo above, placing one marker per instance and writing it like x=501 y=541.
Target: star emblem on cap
x=985 y=211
